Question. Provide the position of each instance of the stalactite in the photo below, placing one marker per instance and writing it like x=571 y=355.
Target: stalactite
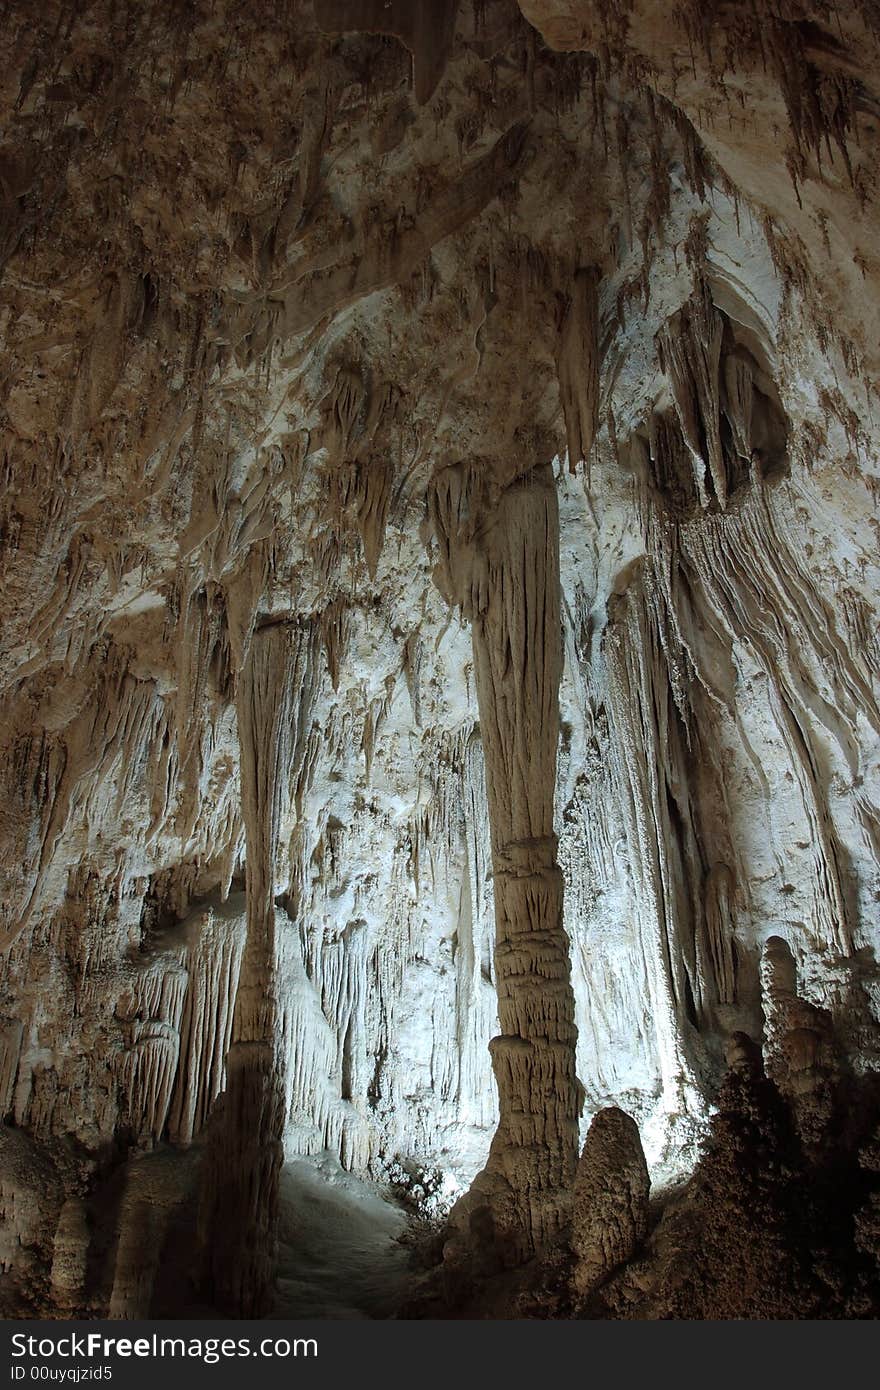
x=213 y=964
x=636 y=677
x=69 y=1256
x=763 y=611
x=426 y=27
x=112 y=732
x=690 y=354
x=375 y=486
x=11 y=1031
x=413 y=654
x=149 y=1064
x=578 y=366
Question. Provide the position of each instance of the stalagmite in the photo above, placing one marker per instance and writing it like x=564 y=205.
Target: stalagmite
x=69 y=1256
x=799 y=1045
x=610 y=1213
x=578 y=366
x=136 y=1256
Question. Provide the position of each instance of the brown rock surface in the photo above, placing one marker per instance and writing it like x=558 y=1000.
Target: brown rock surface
x=610 y=1212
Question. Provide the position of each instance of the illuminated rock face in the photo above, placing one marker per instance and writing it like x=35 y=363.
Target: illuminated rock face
x=439 y=604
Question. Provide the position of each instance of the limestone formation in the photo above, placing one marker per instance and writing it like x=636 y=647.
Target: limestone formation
x=799 y=1045
x=245 y=1153
x=505 y=566
x=439 y=700
x=610 y=1212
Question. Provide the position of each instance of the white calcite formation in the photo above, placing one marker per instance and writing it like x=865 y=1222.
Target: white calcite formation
x=440 y=650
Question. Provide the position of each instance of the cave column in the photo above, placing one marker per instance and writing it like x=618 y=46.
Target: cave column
x=239 y=1216
x=517 y=643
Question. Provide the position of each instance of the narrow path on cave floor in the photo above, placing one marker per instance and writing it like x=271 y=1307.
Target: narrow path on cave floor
x=339 y=1255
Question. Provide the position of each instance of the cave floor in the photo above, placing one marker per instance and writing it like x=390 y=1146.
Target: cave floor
x=339 y=1250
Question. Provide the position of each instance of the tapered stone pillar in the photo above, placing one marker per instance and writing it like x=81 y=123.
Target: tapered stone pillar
x=240 y=1202
x=508 y=558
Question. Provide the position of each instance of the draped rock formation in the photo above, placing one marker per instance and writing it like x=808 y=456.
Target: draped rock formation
x=439 y=685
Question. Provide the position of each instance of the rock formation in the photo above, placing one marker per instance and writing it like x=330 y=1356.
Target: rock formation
x=501 y=564
x=610 y=1216
x=439 y=687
